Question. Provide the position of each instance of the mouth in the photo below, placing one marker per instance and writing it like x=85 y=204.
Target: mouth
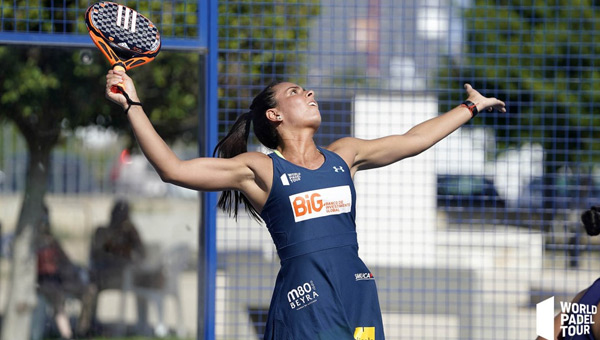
x=312 y=103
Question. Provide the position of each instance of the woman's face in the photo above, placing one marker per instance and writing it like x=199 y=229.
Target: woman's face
x=296 y=106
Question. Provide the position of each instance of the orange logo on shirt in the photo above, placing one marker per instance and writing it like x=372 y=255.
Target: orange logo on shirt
x=306 y=204
x=322 y=202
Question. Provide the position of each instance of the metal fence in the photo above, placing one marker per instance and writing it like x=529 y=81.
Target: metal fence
x=466 y=238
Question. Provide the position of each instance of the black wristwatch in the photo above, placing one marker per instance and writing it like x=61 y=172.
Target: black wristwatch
x=471 y=106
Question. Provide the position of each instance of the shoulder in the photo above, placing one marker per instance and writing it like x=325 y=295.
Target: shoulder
x=593 y=288
x=253 y=160
x=253 y=156
x=346 y=148
x=260 y=168
x=579 y=295
x=344 y=142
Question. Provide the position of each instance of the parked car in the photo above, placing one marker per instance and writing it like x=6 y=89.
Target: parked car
x=569 y=192
x=467 y=191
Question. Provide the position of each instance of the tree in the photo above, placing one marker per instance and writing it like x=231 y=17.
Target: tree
x=259 y=41
x=545 y=65
x=47 y=91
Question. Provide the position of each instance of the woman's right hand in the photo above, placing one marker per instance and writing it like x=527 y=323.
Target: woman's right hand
x=113 y=78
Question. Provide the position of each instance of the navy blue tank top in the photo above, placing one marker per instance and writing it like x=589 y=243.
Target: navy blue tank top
x=323 y=290
x=310 y=210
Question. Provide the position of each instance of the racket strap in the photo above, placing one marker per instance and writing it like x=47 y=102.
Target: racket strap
x=129 y=101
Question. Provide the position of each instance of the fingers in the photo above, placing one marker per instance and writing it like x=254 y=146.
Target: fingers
x=118 y=76
x=489 y=103
x=501 y=106
x=114 y=78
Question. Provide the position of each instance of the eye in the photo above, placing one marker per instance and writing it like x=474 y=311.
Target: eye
x=294 y=91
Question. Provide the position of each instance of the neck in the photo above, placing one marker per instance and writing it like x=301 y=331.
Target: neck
x=304 y=154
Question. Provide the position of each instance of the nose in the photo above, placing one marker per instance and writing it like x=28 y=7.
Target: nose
x=310 y=93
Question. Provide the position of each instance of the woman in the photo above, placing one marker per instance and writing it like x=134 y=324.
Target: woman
x=572 y=328
x=305 y=195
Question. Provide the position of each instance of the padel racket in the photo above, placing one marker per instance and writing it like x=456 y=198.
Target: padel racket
x=125 y=37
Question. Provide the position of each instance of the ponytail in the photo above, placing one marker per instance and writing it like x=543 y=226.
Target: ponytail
x=236 y=143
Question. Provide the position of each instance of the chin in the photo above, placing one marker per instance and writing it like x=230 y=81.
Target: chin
x=316 y=123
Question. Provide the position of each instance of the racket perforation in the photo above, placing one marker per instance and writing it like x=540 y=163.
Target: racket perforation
x=125 y=27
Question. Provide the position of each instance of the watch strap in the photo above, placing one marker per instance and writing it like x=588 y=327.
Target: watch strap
x=471 y=106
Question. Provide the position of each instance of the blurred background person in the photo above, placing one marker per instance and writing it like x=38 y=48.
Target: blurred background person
x=58 y=278
x=116 y=249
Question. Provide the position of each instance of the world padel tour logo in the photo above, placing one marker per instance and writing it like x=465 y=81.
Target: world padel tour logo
x=576 y=319
x=322 y=202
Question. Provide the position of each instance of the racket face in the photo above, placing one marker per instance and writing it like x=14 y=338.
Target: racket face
x=123 y=35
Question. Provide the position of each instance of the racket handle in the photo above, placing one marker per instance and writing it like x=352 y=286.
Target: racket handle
x=119 y=87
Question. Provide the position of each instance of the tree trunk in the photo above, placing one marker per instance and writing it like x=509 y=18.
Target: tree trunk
x=16 y=324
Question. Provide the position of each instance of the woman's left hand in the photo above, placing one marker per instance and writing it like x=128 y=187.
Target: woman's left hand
x=484 y=103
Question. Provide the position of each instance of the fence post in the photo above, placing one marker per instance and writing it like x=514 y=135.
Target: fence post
x=208 y=123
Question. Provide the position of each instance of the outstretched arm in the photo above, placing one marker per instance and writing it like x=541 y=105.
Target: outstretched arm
x=207 y=174
x=368 y=154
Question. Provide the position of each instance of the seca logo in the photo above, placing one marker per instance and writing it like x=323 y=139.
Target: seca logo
x=364 y=276
x=321 y=202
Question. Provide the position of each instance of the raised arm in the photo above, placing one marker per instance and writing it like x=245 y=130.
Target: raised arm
x=206 y=174
x=368 y=154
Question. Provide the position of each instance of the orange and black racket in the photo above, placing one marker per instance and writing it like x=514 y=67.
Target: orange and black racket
x=125 y=37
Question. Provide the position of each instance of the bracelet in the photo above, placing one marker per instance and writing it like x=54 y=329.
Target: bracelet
x=129 y=102
x=471 y=107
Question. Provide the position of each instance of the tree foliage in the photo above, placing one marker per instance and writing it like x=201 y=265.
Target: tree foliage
x=543 y=60
x=260 y=41
x=47 y=91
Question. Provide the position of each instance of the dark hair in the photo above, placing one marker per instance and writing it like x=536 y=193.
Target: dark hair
x=236 y=142
x=591 y=220
x=119 y=213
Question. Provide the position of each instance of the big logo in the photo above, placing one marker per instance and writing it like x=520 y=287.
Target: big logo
x=322 y=202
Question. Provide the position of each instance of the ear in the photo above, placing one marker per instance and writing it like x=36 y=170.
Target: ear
x=274 y=115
